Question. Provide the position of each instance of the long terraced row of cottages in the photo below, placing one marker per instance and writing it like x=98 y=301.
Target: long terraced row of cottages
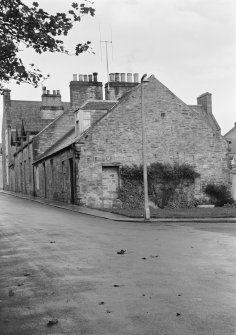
x=73 y=151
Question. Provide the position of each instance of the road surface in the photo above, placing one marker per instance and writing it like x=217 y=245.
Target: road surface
x=60 y=274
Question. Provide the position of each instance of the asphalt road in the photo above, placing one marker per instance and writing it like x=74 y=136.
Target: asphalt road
x=173 y=279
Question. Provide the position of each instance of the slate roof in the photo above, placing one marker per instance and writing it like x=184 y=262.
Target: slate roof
x=29 y=112
x=98 y=105
x=62 y=143
x=69 y=137
x=231 y=132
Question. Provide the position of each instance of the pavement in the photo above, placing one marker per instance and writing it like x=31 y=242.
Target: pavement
x=63 y=272
x=107 y=215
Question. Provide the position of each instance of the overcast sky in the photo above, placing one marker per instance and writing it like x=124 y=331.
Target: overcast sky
x=189 y=45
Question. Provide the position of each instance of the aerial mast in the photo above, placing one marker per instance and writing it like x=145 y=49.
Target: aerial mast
x=106 y=42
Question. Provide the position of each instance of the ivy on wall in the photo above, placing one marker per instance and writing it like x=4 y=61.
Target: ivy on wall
x=168 y=185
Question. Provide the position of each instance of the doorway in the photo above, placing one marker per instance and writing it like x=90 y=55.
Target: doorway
x=72 y=185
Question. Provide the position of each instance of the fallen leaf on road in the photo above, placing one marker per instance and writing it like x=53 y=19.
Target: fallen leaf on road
x=52 y=322
x=121 y=252
x=101 y=303
x=108 y=311
x=178 y=314
x=116 y=285
x=27 y=274
x=152 y=256
x=144 y=258
x=11 y=293
x=52 y=241
x=191 y=246
x=20 y=284
x=143 y=295
x=179 y=295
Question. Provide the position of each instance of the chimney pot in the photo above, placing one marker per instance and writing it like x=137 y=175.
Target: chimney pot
x=235 y=124
x=85 y=77
x=58 y=92
x=81 y=77
x=74 y=77
x=90 y=77
x=136 y=79
x=129 y=77
x=48 y=91
x=112 y=77
x=117 y=76
x=95 y=76
x=123 y=77
x=54 y=92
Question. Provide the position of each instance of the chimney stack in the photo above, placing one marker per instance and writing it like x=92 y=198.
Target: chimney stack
x=129 y=77
x=87 y=87
x=95 y=77
x=52 y=106
x=122 y=75
x=204 y=100
x=7 y=102
x=112 y=77
x=117 y=76
x=118 y=85
x=136 y=79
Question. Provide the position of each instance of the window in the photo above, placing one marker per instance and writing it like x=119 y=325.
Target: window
x=86 y=120
x=7 y=170
x=37 y=177
x=63 y=174
x=52 y=174
x=163 y=114
x=6 y=142
x=30 y=171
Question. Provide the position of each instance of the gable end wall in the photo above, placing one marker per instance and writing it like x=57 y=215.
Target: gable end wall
x=174 y=134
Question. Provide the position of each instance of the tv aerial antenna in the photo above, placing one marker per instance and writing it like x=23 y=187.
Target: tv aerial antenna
x=106 y=42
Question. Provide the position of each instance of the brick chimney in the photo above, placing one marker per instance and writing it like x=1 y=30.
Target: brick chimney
x=204 y=100
x=52 y=106
x=118 y=85
x=87 y=87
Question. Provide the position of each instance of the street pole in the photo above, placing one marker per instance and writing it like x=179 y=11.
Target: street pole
x=145 y=183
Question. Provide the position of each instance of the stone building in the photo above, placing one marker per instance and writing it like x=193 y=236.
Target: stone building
x=76 y=156
x=1 y=177
x=230 y=136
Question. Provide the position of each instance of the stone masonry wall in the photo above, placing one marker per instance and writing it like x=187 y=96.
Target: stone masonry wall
x=21 y=173
x=81 y=91
x=117 y=89
x=1 y=176
x=54 y=177
x=175 y=133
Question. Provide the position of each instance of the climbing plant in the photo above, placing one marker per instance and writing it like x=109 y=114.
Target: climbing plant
x=168 y=185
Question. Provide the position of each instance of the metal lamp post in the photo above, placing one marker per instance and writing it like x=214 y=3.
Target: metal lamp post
x=146 y=205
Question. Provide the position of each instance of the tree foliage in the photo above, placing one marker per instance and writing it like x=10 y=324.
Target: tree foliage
x=22 y=27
